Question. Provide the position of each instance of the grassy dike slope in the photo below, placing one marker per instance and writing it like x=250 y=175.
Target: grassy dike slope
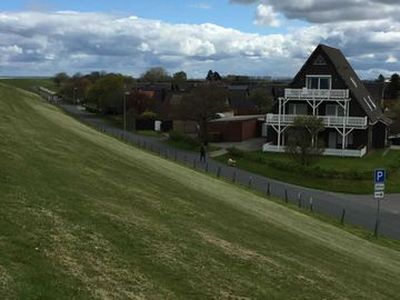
x=83 y=215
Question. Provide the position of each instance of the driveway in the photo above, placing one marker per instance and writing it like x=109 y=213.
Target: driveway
x=359 y=209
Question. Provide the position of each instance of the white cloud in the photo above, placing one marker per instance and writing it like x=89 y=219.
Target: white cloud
x=265 y=15
x=45 y=43
x=329 y=11
x=391 y=59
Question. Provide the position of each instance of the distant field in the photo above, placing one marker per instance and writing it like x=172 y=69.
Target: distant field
x=262 y=163
x=85 y=216
x=30 y=83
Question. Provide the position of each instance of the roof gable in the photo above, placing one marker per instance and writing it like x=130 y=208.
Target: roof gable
x=349 y=77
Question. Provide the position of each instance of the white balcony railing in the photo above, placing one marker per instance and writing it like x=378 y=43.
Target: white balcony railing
x=328 y=121
x=308 y=94
x=327 y=151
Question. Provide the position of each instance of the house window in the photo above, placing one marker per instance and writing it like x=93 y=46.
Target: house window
x=313 y=83
x=320 y=61
x=334 y=110
x=298 y=109
x=319 y=82
x=324 y=83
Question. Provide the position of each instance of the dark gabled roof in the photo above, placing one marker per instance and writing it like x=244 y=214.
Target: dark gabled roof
x=353 y=82
x=386 y=120
x=237 y=103
x=375 y=88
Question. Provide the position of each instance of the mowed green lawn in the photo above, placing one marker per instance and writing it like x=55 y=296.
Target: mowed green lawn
x=30 y=83
x=260 y=162
x=84 y=216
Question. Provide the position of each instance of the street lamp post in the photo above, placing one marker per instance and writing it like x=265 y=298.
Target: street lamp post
x=385 y=85
x=75 y=89
x=126 y=94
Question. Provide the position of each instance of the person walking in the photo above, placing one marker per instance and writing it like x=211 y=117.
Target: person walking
x=202 y=153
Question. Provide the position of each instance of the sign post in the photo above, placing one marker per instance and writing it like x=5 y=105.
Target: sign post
x=379 y=193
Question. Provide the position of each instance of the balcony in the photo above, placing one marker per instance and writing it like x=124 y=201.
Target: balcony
x=308 y=94
x=327 y=151
x=328 y=121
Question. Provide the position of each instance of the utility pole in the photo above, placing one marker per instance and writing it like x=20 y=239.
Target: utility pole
x=377 y=223
x=126 y=94
x=74 y=96
x=385 y=85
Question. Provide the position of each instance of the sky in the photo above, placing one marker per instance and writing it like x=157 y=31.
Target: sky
x=247 y=37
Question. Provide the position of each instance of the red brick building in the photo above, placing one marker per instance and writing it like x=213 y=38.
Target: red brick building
x=235 y=129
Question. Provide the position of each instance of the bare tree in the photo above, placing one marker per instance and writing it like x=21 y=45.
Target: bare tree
x=201 y=105
x=302 y=142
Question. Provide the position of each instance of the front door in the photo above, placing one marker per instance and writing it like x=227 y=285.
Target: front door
x=332 y=140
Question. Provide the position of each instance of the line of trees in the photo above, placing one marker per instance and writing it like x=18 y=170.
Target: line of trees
x=106 y=93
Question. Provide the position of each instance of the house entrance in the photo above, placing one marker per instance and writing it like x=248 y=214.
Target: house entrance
x=332 y=140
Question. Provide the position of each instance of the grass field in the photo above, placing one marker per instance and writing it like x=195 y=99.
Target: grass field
x=84 y=216
x=259 y=162
x=30 y=83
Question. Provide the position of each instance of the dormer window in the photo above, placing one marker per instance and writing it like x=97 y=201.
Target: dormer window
x=319 y=82
x=320 y=61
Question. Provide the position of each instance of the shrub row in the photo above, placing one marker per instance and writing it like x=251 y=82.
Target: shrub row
x=318 y=172
x=183 y=138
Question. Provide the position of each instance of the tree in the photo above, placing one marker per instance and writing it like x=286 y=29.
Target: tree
x=75 y=87
x=261 y=98
x=107 y=94
x=139 y=102
x=157 y=74
x=60 y=78
x=210 y=75
x=380 y=78
x=95 y=75
x=302 y=143
x=201 y=105
x=178 y=80
x=213 y=76
x=179 y=77
x=393 y=87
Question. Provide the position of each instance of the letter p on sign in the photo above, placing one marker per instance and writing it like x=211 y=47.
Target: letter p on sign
x=380 y=176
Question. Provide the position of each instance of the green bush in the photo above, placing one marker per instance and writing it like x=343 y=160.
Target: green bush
x=235 y=152
x=149 y=115
x=318 y=172
x=183 y=138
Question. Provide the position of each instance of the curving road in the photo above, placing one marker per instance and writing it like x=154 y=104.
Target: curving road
x=359 y=209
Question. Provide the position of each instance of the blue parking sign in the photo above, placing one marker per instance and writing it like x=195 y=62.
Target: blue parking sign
x=380 y=175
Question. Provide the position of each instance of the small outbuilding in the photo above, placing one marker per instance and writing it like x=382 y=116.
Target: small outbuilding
x=235 y=128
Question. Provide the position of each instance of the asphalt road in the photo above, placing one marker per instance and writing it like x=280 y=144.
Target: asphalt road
x=359 y=209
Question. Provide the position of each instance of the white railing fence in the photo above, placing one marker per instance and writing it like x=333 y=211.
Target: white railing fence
x=303 y=94
x=327 y=151
x=328 y=121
